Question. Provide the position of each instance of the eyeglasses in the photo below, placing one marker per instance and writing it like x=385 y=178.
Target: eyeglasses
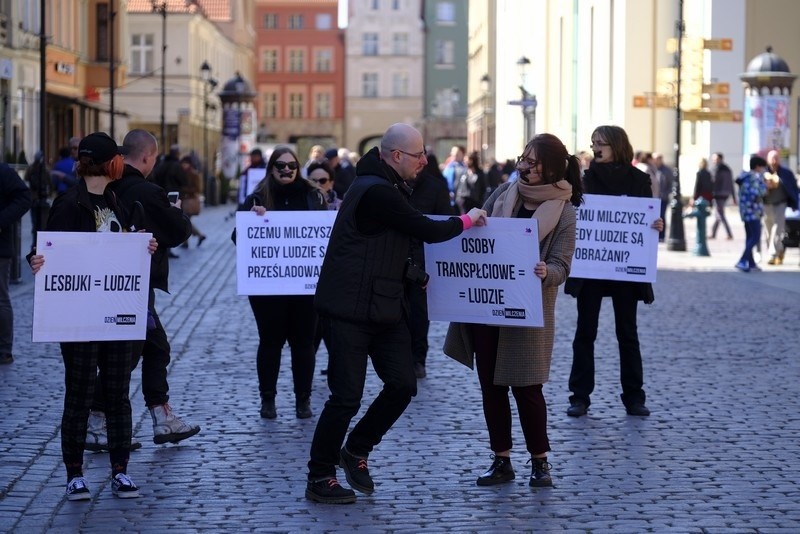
x=528 y=161
x=280 y=165
x=598 y=144
x=321 y=181
x=418 y=155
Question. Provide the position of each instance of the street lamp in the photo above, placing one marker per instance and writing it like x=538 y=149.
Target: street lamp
x=208 y=83
x=161 y=9
x=528 y=102
x=486 y=85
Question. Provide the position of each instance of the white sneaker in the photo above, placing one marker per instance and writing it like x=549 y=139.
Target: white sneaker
x=96 y=434
x=78 y=490
x=168 y=427
x=123 y=487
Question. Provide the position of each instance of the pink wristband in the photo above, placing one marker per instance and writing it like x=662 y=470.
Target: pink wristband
x=466 y=221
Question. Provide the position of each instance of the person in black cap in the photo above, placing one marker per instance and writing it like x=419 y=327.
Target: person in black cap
x=90 y=206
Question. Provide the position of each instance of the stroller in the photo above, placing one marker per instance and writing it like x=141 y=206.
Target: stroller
x=791 y=235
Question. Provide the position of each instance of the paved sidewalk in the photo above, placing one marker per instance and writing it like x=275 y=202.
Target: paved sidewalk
x=719 y=454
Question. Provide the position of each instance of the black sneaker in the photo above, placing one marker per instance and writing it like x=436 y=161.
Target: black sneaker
x=577 y=408
x=356 y=471
x=268 y=408
x=78 y=490
x=123 y=487
x=500 y=471
x=329 y=491
x=638 y=408
x=303 y=409
x=540 y=473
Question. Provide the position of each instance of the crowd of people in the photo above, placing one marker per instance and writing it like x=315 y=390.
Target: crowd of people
x=370 y=302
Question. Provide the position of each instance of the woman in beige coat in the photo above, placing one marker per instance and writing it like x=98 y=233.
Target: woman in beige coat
x=548 y=188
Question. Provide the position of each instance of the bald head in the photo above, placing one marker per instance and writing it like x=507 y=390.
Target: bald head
x=773 y=159
x=142 y=150
x=403 y=150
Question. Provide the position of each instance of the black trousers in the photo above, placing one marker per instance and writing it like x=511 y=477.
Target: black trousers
x=280 y=319
x=624 y=298
x=155 y=355
x=389 y=347
x=418 y=323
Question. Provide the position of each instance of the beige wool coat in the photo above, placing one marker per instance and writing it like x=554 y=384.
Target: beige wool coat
x=524 y=354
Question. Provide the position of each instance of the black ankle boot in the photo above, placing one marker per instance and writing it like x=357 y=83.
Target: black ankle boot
x=268 y=406
x=540 y=473
x=303 y=407
x=500 y=471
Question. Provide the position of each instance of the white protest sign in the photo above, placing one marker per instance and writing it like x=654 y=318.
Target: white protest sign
x=93 y=286
x=485 y=275
x=614 y=240
x=281 y=252
x=249 y=181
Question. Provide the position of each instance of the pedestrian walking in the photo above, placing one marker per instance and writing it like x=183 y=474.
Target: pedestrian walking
x=782 y=191
x=15 y=201
x=548 y=190
x=723 y=190
x=610 y=173
x=282 y=318
x=170 y=227
x=91 y=206
x=752 y=190
x=361 y=290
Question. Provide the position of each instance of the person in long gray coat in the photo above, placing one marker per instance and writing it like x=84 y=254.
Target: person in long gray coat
x=549 y=188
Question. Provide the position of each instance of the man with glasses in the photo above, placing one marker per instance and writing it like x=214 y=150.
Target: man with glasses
x=361 y=296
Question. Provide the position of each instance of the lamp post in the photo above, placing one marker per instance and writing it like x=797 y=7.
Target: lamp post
x=486 y=85
x=677 y=239
x=161 y=9
x=527 y=103
x=208 y=83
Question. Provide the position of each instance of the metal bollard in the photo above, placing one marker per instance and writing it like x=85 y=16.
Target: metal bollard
x=701 y=212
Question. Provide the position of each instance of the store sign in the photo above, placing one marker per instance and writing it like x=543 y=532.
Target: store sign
x=65 y=68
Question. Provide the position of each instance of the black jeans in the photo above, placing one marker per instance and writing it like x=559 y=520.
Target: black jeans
x=625 y=300
x=155 y=355
x=418 y=323
x=280 y=319
x=389 y=346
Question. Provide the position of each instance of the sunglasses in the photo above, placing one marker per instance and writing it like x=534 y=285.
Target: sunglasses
x=280 y=165
x=321 y=181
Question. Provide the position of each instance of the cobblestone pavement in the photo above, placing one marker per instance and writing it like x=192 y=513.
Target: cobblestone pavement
x=719 y=453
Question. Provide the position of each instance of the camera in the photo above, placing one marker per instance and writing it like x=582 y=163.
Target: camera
x=415 y=274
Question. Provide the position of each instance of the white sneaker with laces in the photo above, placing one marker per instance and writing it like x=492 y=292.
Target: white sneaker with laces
x=78 y=490
x=168 y=427
x=123 y=487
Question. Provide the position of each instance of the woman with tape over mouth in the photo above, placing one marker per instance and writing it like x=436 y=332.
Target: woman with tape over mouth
x=548 y=190
x=610 y=173
x=90 y=206
x=284 y=318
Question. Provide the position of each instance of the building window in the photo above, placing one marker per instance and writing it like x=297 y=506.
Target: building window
x=102 y=32
x=269 y=61
x=322 y=106
x=369 y=85
x=400 y=44
x=296 y=106
x=295 y=22
x=396 y=5
x=271 y=21
x=374 y=4
x=445 y=52
x=269 y=105
x=399 y=84
x=324 y=21
x=323 y=60
x=141 y=53
x=446 y=12
x=370 y=44
x=297 y=61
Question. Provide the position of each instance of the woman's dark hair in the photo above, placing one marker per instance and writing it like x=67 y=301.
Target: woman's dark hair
x=432 y=167
x=621 y=148
x=262 y=189
x=474 y=161
x=557 y=164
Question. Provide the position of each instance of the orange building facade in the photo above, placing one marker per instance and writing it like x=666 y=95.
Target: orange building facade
x=299 y=73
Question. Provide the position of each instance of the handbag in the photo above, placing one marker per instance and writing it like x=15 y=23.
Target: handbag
x=191 y=205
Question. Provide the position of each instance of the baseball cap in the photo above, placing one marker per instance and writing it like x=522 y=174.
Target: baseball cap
x=332 y=153
x=100 y=147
